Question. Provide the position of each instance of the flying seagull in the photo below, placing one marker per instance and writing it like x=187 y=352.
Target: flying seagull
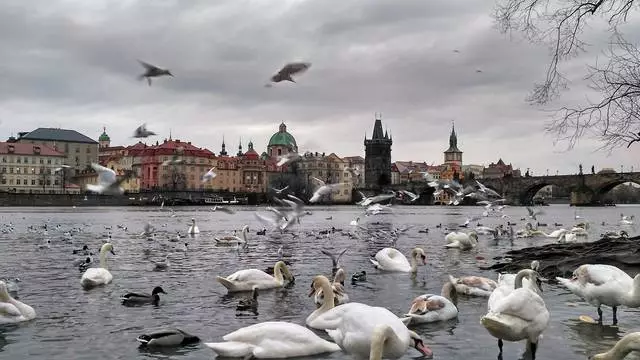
x=288 y=70
x=152 y=71
x=142 y=132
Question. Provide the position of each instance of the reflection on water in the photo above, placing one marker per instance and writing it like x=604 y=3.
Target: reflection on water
x=76 y=324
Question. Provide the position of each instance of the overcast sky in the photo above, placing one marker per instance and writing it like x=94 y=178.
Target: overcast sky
x=72 y=64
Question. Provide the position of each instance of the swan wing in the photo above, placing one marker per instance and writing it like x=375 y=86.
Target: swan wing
x=392 y=260
x=521 y=303
x=249 y=275
x=9 y=310
x=601 y=274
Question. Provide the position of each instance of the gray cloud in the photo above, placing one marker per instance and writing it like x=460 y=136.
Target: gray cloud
x=74 y=65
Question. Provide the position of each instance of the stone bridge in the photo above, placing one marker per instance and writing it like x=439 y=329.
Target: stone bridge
x=585 y=189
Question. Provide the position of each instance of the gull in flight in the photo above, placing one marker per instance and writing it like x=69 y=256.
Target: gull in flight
x=288 y=70
x=412 y=197
x=108 y=183
x=324 y=189
x=142 y=132
x=62 y=168
x=152 y=71
x=288 y=158
x=209 y=175
x=279 y=191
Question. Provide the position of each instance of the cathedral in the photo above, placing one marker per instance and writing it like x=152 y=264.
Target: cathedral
x=377 y=158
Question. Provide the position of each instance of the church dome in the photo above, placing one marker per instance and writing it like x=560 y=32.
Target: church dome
x=104 y=136
x=283 y=138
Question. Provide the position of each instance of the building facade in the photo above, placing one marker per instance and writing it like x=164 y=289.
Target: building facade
x=31 y=168
x=331 y=169
x=80 y=151
x=377 y=158
x=500 y=170
x=356 y=163
x=476 y=170
x=453 y=155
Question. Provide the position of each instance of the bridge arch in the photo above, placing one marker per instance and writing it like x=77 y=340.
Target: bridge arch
x=602 y=190
x=526 y=197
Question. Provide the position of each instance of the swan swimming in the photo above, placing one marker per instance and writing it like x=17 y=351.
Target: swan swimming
x=233 y=240
x=430 y=308
x=473 y=285
x=461 y=240
x=11 y=310
x=98 y=276
x=193 y=229
x=390 y=259
x=245 y=280
x=340 y=296
x=628 y=343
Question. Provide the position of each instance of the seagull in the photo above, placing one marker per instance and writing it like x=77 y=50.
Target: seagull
x=288 y=158
x=152 y=71
x=288 y=70
x=324 y=189
x=279 y=191
x=62 y=168
x=107 y=181
x=209 y=175
x=224 y=209
x=412 y=197
x=142 y=132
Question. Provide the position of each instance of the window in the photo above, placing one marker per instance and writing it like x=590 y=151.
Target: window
x=41 y=161
x=17 y=181
x=26 y=160
x=18 y=159
x=48 y=161
x=33 y=181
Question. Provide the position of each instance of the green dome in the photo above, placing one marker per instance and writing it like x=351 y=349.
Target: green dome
x=104 y=136
x=283 y=138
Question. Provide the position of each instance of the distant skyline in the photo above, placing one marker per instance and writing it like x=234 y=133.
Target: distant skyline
x=420 y=64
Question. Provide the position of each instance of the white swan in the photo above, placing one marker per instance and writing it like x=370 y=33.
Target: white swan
x=473 y=285
x=193 y=229
x=245 y=280
x=628 y=343
x=340 y=296
x=557 y=233
x=430 y=308
x=461 y=240
x=363 y=330
x=507 y=284
x=355 y=222
x=98 y=276
x=390 y=259
x=568 y=238
x=233 y=240
x=521 y=315
x=11 y=310
x=604 y=285
x=272 y=340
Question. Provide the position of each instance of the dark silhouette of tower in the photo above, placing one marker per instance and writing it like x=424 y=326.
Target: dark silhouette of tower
x=377 y=160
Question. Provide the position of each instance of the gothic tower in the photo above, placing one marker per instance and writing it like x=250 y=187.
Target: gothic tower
x=223 y=152
x=453 y=155
x=377 y=158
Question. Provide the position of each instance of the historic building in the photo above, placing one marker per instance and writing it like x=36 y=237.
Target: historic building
x=499 y=170
x=281 y=143
x=331 y=169
x=453 y=155
x=356 y=163
x=30 y=168
x=476 y=170
x=377 y=158
x=80 y=151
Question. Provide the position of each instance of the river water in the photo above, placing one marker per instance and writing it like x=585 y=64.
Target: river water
x=76 y=324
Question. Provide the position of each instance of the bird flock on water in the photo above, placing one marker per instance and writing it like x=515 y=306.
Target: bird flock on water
x=516 y=309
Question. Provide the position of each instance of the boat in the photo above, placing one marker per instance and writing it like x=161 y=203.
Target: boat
x=215 y=199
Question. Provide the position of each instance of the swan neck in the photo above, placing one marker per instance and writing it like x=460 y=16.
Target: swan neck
x=414 y=262
x=628 y=343
x=521 y=274
x=449 y=292
x=378 y=339
x=277 y=272
x=329 y=297
x=103 y=259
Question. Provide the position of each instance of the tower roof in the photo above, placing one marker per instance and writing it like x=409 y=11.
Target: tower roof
x=453 y=140
x=283 y=138
x=104 y=136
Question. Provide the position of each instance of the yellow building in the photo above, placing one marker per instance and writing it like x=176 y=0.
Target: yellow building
x=331 y=169
x=30 y=168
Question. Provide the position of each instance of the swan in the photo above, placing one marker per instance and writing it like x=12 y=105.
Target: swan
x=233 y=240
x=137 y=298
x=473 y=285
x=521 y=314
x=390 y=259
x=363 y=330
x=168 y=338
x=245 y=280
x=11 y=310
x=557 y=233
x=340 y=297
x=98 y=276
x=461 y=240
x=272 y=340
x=430 y=308
x=604 y=285
x=628 y=343
x=568 y=238
x=355 y=222
x=193 y=229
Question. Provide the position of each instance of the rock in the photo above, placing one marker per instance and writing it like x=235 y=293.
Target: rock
x=563 y=259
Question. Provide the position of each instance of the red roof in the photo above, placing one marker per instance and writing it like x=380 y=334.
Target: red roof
x=28 y=149
x=169 y=147
x=251 y=155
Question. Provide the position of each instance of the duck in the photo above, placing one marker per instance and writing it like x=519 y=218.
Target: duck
x=233 y=240
x=167 y=338
x=461 y=240
x=630 y=342
x=601 y=285
x=271 y=340
x=473 y=285
x=245 y=280
x=359 y=276
x=249 y=303
x=520 y=315
x=11 y=310
x=161 y=265
x=362 y=330
x=139 y=299
x=340 y=296
x=93 y=277
x=193 y=229
x=84 y=265
x=83 y=251
x=390 y=259
x=613 y=235
x=431 y=308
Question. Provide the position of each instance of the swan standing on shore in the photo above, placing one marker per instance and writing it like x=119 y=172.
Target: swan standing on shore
x=390 y=259
x=604 y=285
x=430 y=308
x=271 y=340
x=193 y=229
x=246 y=280
x=362 y=330
x=98 y=276
x=11 y=310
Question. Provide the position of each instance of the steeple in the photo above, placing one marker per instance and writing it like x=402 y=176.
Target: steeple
x=240 y=153
x=377 y=130
x=169 y=134
x=250 y=146
x=223 y=152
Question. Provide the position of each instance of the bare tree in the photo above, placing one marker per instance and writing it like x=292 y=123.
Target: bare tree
x=614 y=118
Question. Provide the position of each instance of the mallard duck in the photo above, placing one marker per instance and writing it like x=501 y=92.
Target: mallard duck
x=85 y=264
x=359 y=276
x=250 y=303
x=167 y=338
x=137 y=298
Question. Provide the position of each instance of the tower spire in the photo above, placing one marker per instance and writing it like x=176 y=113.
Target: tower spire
x=169 y=134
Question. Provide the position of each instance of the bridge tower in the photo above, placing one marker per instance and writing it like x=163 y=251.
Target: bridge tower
x=453 y=155
x=377 y=160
